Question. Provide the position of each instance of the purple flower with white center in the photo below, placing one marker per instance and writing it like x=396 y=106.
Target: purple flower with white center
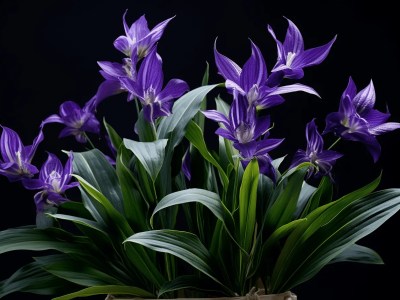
x=252 y=81
x=138 y=38
x=53 y=181
x=77 y=120
x=357 y=120
x=156 y=101
x=322 y=160
x=248 y=133
x=292 y=57
x=16 y=158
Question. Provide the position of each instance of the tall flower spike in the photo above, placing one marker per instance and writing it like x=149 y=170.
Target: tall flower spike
x=252 y=81
x=292 y=57
x=138 y=38
x=156 y=101
x=77 y=120
x=16 y=162
x=322 y=160
x=53 y=181
x=357 y=120
x=248 y=133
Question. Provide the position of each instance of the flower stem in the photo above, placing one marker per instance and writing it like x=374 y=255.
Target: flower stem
x=334 y=143
x=88 y=139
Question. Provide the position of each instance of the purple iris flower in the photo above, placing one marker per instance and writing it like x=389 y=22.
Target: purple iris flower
x=252 y=81
x=16 y=158
x=77 y=120
x=292 y=57
x=147 y=88
x=139 y=39
x=53 y=181
x=322 y=160
x=248 y=132
x=357 y=120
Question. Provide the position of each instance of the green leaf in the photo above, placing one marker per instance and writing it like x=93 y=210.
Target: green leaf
x=306 y=193
x=195 y=136
x=74 y=270
x=184 y=245
x=248 y=204
x=322 y=195
x=284 y=207
x=31 y=278
x=184 y=109
x=190 y=282
x=330 y=230
x=107 y=289
x=144 y=129
x=115 y=139
x=150 y=154
x=209 y=199
x=33 y=239
x=82 y=221
x=98 y=172
x=358 y=254
x=199 y=117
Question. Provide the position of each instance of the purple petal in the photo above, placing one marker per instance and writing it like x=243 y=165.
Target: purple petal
x=313 y=56
x=138 y=30
x=383 y=128
x=30 y=150
x=132 y=87
x=254 y=70
x=333 y=123
x=262 y=125
x=299 y=157
x=297 y=87
x=122 y=44
x=107 y=89
x=240 y=112
x=226 y=67
x=52 y=164
x=351 y=89
x=225 y=134
x=375 y=117
x=293 y=40
x=329 y=156
x=150 y=74
x=145 y=43
x=174 y=89
x=346 y=107
x=247 y=150
x=10 y=144
x=269 y=101
x=281 y=52
x=217 y=117
x=266 y=145
x=266 y=167
x=52 y=119
x=68 y=109
x=365 y=99
x=112 y=68
x=33 y=184
x=315 y=142
x=67 y=170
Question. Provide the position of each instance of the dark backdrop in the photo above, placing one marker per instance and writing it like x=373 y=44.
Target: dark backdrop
x=48 y=54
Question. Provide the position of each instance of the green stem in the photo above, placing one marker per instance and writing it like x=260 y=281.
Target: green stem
x=88 y=139
x=334 y=143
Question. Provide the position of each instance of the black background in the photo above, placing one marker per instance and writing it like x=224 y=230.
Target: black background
x=48 y=54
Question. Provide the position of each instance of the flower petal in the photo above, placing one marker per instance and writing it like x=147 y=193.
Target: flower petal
x=365 y=99
x=254 y=70
x=297 y=87
x=383 y=128
x=10 y=145
x=293 y=40
x=217 y=117
x=174 y=89
x=150 y=73
x=227 y=68
x=313 y=56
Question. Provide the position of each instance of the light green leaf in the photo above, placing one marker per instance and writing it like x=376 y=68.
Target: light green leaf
x=184 y=109
x=358 y=254
x=184 y=245
x=82 y=221
x=150 y=154
x=248 y=204
x=209 y=199
x=322 y=195
x=115 y=139
x=107 y=289
x=98 y=172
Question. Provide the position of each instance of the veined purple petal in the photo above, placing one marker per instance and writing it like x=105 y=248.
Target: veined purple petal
x=346 y=107
x=107 y=89
x=138 y=30
x=269 y=101
x=10 y=145
x=52 y=119
x=52 y=164
x=365 y=99
x=145 y=43
x=112 y=68
x=122 y=44
x=315 y=142
x=375 y=117
x=266 y=167
x=217 y=117
x=297 y=87
x=150 y=73
x=67 y=170
x=174 y=89
x=254 y=70
x=262 y=126
x=266 y=145
x=132 y=87
x=247 y=150
x=279 y=46
x=298 y=158
x=241 y=112
x=227 y=67
x=351 y=89
x=383 y=128
x=329 y=156
x=33 y=184
x=313 y=56
x=293 y=40
x=30 y=150
x=67 y=108
x=225 y=134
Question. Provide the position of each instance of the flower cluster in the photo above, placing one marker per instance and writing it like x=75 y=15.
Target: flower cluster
x=215 y=223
